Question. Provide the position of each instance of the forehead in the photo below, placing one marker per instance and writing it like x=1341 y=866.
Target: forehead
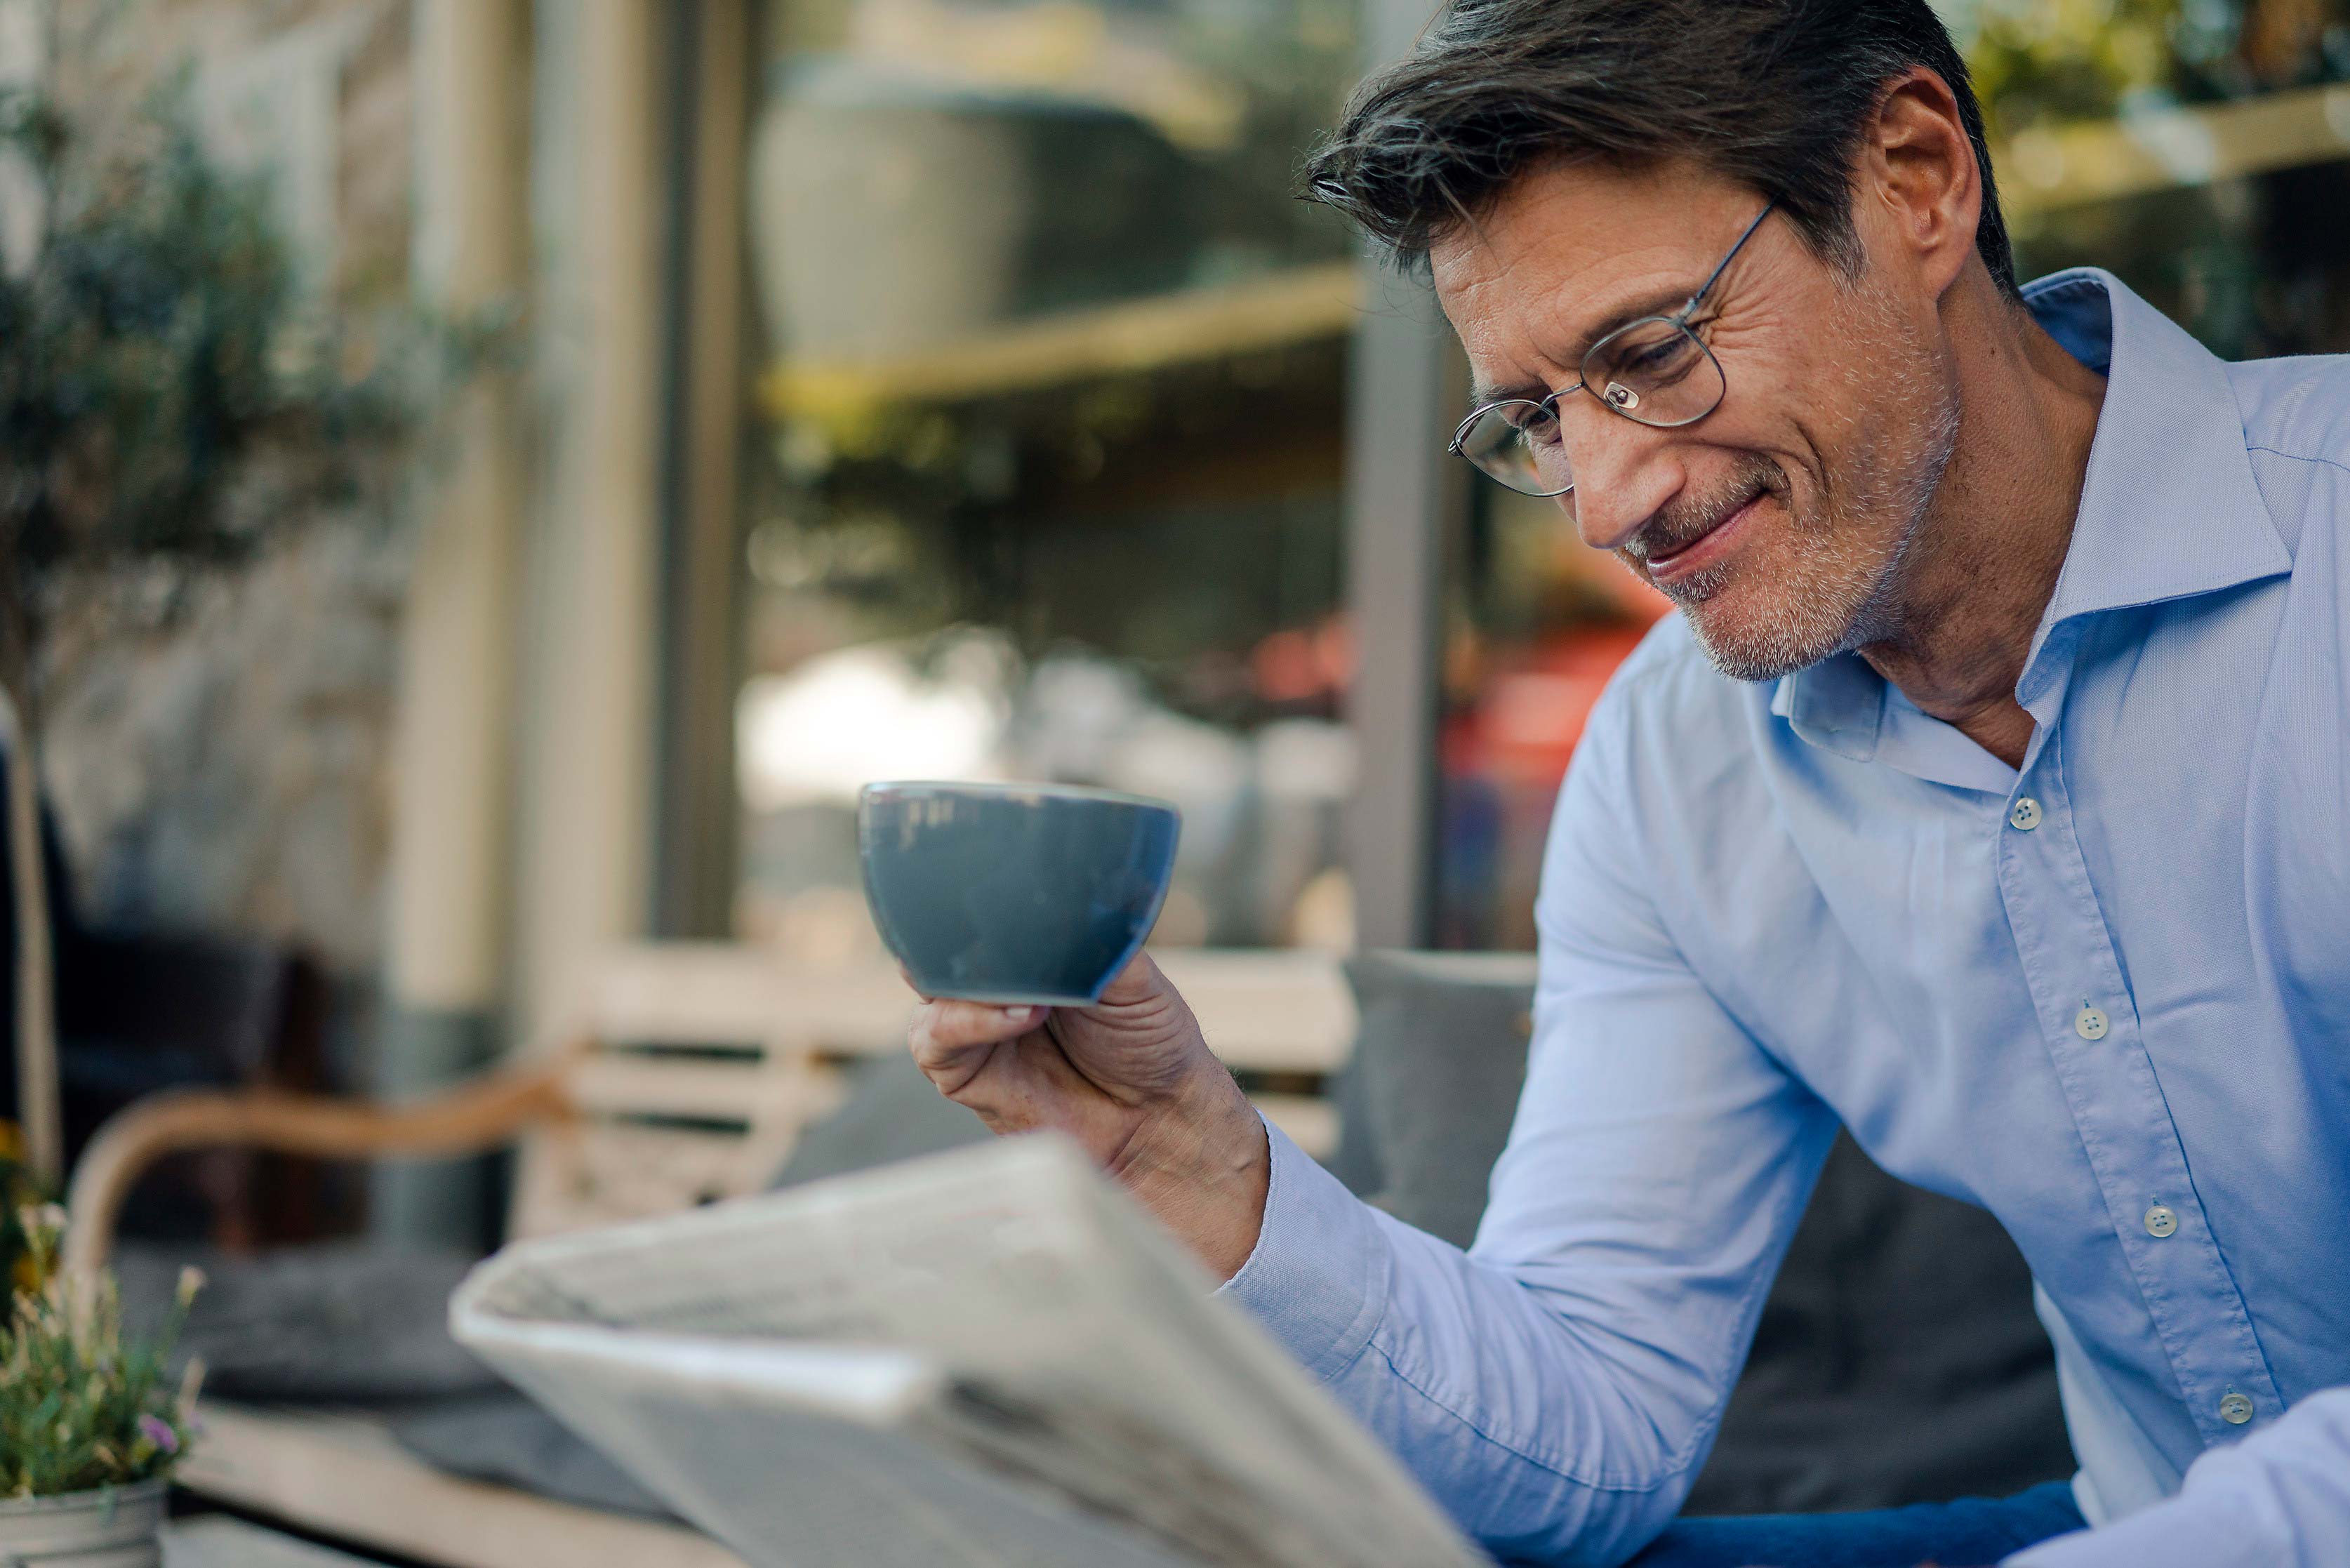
x=1570 y=247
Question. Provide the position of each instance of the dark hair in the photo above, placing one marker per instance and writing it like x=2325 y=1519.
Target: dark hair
x=1772 y=93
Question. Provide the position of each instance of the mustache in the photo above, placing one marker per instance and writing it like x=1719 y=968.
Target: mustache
x=1685 y=519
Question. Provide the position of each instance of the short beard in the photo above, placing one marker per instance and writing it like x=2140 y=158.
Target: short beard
x=1839 y=569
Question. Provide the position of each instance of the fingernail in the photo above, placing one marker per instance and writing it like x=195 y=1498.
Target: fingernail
x=1023 y=1015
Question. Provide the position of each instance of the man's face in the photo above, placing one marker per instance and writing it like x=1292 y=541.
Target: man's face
x=1780 y=522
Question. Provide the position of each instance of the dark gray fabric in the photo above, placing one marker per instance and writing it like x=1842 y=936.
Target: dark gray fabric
x=1356 y=1159
x=1440 y=1057
x=331 y=1324
x=505 y=1438
x=1898 y=1359
x=892 y=1112
x=355 y=1324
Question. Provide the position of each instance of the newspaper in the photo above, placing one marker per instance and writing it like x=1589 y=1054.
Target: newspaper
x=991 y=1357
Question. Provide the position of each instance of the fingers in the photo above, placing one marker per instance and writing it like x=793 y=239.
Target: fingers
x=1139 y=979
x=959 y=1023
x=942 y=1033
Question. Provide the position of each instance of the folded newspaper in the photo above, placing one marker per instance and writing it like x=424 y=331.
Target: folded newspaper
x=991 y=1357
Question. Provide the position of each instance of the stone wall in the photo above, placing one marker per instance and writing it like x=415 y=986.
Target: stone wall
x=217 y=750
x=222 y=765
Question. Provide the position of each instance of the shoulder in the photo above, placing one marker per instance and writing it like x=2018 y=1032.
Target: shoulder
x=1667 y=784
x=1671 y=745
x=1667 y=688
x=1668 y=669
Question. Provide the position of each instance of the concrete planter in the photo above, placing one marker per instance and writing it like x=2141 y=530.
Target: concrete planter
x=114 y=1527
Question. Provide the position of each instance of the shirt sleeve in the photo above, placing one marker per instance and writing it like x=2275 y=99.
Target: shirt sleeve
x=2280 y=1499
x=1557 y=1386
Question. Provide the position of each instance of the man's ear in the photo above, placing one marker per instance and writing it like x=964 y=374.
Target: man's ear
x=1918 y=172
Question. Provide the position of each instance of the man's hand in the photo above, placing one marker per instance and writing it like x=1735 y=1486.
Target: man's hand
x=1132 y=1080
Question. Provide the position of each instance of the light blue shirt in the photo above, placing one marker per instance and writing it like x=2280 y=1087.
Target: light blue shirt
x=2107 y=998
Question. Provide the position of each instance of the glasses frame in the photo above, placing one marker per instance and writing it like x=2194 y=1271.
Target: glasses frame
x=1679 y=320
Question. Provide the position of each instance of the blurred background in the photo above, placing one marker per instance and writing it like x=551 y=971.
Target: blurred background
x=866 y=389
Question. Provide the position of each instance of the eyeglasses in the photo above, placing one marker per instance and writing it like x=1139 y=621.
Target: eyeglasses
x=1653 y=371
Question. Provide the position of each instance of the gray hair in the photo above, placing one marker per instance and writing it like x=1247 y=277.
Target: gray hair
x=1775 y=94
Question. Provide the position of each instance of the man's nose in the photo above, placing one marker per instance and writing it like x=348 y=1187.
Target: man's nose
x=1624 y=471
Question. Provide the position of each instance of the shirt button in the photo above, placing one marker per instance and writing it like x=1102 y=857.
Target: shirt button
x=2089 y=1024
x=2161 y=1221
x=2025 y=814
x=2235 y=1410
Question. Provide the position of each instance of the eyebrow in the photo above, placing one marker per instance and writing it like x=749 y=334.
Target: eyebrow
x=1655 y=302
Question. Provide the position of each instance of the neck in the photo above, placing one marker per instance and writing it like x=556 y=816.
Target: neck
x=1989 y=549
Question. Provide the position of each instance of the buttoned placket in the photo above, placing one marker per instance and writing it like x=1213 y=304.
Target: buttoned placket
x=2091 y=1027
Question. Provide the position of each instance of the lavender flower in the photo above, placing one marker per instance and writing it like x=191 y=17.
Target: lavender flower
x=158 y=1431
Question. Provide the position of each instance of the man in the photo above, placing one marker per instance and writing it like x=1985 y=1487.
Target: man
x=1988 y=796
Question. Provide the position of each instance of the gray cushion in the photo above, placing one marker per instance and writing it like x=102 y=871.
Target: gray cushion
x=505 y=1438
x=1437 y=1064
x=1898 y=1359
x=892 y=1112
x=335 y=1322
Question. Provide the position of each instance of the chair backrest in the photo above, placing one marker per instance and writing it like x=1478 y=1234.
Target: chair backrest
x=703 y=1062
x=700 y=1063
x=1443 y=1058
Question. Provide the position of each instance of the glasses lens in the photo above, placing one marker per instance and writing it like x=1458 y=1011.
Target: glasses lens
x=1655 y=371
x=1517 y=443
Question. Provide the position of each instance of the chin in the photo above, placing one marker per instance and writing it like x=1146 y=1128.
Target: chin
x=1750 y=635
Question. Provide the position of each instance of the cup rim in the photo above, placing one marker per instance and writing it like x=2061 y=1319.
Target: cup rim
x=1007 y=787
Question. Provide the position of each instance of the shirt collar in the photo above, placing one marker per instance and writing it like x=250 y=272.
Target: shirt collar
x=1837 y=705
x=2168 y=506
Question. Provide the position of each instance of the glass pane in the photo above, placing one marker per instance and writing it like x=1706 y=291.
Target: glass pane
x=1049 y=438
x=2233 y=227
x=2253 y=267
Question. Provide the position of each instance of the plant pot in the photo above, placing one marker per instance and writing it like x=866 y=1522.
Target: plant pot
x=113 y=1527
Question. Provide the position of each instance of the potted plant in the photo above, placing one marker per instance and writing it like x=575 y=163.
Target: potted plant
x=91 y=1421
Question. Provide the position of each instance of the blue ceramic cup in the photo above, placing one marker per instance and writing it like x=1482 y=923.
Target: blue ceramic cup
x=1013 y=893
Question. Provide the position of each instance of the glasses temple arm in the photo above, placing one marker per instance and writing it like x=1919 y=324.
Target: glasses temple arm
x=1730 y=256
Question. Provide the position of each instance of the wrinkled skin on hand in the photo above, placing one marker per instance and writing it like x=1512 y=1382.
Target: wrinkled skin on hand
x=1131 y=1078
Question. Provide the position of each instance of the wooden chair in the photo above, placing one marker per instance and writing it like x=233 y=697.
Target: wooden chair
x=686 y=1077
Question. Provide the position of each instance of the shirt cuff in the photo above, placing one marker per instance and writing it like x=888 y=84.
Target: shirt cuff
x=1318 y=1277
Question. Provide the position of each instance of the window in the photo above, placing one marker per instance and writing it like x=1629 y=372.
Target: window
x=1048 y=426
x=1048 y=438
x=2197 y=151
